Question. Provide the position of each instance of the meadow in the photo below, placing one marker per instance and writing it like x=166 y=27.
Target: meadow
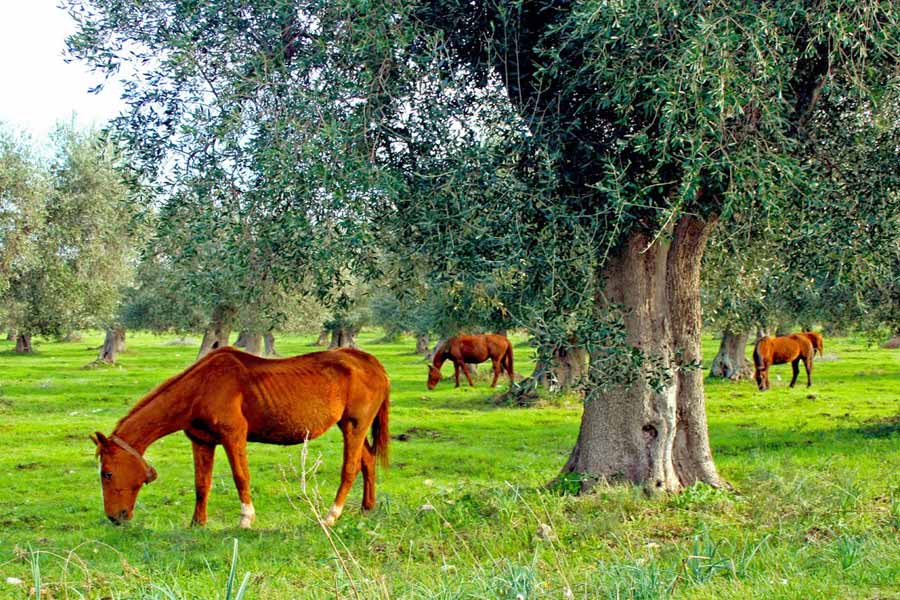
x=463 y=512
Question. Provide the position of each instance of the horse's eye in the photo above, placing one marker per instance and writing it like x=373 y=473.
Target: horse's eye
x=106 y=475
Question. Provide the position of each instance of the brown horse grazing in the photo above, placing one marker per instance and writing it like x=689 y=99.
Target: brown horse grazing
x=464 y=349
x=779 y=350
x=231 y=397
x=816 y=340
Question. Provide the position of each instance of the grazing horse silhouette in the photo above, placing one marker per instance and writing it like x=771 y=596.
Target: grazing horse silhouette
x=779 y=350
x=464 y=349
x=230 y=397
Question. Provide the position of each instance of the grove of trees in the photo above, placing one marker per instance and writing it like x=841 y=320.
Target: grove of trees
x=592 y=173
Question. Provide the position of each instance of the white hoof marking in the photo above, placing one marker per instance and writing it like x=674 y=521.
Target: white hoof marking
x=248 y=515
x=333 y=515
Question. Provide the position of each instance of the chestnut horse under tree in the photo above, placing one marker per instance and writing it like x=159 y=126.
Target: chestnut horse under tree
x=780 y=350
x=462 y=349
x=231 y=397
x=816 y=340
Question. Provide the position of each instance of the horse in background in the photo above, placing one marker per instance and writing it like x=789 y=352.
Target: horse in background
x=816 y=340
x=462 y=349
x=780 y=350
x=231 y=397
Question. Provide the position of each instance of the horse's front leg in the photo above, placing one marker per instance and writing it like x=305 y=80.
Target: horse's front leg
x=796 y=367
x=204 y=455
x=236 y=449
x=456 y=372
x=496 y=372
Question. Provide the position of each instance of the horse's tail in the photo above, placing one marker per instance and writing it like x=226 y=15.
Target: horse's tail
x=820 y=346
x=509 y=360
x=380 y=433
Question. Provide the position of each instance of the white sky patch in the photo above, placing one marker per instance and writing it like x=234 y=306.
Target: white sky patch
x=37 y=88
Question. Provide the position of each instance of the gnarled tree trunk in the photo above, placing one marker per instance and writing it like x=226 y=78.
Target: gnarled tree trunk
x=567 y=369
x=23 y=343
x=343 y=337
x=113 y=344
x=731 y=361
x=253 y=342
x=323 y=338
x=269 y=344
x=241 y=341
x=631 y=432
x=10 y=335
x=422 y=344
x=219 y=330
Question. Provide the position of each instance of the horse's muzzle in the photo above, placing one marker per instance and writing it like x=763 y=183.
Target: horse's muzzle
x=120 y=518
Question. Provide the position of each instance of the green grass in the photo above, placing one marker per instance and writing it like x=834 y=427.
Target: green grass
x=815 y=512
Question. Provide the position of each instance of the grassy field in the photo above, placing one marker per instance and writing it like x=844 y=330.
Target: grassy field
x=815 y=511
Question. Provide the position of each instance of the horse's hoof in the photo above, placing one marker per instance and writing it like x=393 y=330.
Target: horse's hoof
x=332 y=516
x=196 y=523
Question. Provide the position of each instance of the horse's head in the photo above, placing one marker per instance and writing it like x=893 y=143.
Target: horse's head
x=434 y=375
x=122 y=474
x=762 y=378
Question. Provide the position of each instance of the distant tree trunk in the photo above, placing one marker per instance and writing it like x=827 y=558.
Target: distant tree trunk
x=23 y=343
x=323 y=338
x=269 y=344
x=630 y=431
x=10 y=335
x=241 y=341
x=219 y=330
x=113 y=344
x=422 y=344
x=761 y=332
x=343 y=337
x=566 y=369
x=253 y=342
x=782 y=329
x=501 y=332
x=731 y=361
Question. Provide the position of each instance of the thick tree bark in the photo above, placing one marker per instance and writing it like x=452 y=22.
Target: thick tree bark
x=113 y=344
x=731 y=361
x=269 y=345
x=253 y=342
x=422 y=344
x=10 y=335
x=219 y=330
x=23 y=343
x=761 y=332
x=630 y=431
x=323 y=338
x=343 y=337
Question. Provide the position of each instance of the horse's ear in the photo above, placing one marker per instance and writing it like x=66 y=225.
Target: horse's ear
x=151 y=475
x=100 y=440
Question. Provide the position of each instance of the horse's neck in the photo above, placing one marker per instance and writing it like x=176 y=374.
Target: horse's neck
x=163 y=414
x=439 y=358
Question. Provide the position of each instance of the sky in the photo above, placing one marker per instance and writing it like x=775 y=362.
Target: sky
x=37 y=88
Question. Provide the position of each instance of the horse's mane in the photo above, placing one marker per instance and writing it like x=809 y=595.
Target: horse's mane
x=165 y=385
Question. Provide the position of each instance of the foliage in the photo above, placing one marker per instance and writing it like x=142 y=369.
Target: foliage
x=75 y=248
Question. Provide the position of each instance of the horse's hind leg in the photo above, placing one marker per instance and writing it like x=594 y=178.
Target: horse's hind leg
x=236 y=449
x=204 y=455
x=796 y=367
x=456 y=372
x=808 y=363
x=368 y=471
x=465 y=370
x=354 y=437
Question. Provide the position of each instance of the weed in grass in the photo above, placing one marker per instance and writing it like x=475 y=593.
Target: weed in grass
x=640 y=580
x=699 y=495
x=848 y=550
x=706 y=560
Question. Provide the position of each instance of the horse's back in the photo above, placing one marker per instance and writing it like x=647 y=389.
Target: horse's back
x=288 y=400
